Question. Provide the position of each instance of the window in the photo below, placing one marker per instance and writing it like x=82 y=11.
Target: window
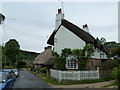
x=71 y=63
x=103 y=55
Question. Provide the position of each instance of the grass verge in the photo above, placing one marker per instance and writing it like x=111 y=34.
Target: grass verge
x=71 y=82
x=109 y=85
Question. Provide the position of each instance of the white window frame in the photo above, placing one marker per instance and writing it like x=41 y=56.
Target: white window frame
x=103 y=55
x=71 y=63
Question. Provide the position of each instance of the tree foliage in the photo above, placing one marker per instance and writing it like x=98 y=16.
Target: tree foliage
x=66 y=52
x=116 y=52
x=59 y=61
x=109 y=64
x=12 y=50
x=22 y=64
x=26 y=55
x=11 y=53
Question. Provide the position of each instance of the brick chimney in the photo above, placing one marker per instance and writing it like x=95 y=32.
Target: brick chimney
x=85 y=28
x=59 y=17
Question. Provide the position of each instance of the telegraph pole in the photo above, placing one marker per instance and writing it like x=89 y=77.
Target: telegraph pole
x=2 y=18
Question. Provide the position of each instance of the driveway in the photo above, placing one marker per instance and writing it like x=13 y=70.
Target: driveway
x=28 y=80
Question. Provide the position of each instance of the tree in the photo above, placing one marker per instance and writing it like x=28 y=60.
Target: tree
x=5 y=61
x=12 y=48
x=117 y=52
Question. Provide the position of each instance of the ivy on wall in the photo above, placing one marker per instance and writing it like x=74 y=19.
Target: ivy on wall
x=82 y=55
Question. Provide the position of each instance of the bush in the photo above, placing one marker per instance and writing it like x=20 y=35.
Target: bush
x=116 y=75
x=22 y=64
x=43 y=70
x=59 y=62
x=109 y=64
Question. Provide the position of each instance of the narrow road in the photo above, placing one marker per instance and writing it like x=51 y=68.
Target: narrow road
x=28 y=80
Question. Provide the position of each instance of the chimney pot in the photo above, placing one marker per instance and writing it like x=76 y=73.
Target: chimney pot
x=45 y=48
x=59 y=10
x=86 y=25
x=83 y=26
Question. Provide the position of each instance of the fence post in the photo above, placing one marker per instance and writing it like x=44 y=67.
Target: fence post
x=98 y=72
x=59 y=76
x=78 y=75
x=50 y=72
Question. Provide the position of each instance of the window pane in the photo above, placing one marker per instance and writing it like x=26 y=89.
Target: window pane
x=71 y=64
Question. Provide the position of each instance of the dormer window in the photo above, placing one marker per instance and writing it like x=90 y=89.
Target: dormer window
x=71 y=63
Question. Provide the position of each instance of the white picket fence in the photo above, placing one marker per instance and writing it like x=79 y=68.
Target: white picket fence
x=74 y=75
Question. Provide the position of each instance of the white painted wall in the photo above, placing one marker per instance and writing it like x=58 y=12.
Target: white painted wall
x=99 y=54
x=58 y=19
x=66 y=39
x=103 y=55
x=96 y=54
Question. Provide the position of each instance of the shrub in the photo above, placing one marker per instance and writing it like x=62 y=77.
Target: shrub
x=22 y=64
x=109 y=64
x=116 y=75
x=59 y=62
x=43 y=70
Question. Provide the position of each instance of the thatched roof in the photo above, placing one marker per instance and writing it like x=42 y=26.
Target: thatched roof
x=44 y=57
x=85 y=36
x=74 y=29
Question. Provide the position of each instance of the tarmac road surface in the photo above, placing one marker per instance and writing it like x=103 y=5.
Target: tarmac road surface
x=28 y=80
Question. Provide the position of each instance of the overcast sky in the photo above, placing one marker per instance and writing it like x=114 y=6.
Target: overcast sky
x=31 y=23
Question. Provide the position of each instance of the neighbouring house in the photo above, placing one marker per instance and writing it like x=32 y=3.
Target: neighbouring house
x=68 y=35
x=113 y=47
x=29 y=62
x=44 y=59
